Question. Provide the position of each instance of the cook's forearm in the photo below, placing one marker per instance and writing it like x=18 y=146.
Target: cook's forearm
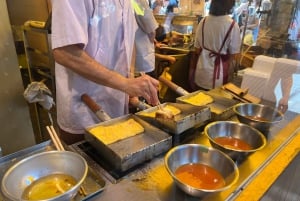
x=77 y=60
x=286 y=86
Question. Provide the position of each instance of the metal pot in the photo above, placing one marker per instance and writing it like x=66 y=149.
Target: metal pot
x=24 y=172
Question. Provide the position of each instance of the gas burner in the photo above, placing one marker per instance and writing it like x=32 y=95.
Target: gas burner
x=94 y=159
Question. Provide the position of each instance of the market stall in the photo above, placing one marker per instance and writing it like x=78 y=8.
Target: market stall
x=151 y=180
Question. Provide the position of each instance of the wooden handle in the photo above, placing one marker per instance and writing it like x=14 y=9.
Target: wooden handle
x=169 y=83
x=173 y=86
x=142 y=106
x=235 y=89
x=90 y=103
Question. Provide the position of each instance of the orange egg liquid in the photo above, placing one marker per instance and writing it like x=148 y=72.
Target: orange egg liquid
x=233 y=143
x=200 y=176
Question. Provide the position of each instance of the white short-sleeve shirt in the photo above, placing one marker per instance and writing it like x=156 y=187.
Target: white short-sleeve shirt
x=215 y=30
x=106 y=29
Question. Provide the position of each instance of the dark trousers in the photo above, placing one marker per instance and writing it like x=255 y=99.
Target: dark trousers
x=70 y=138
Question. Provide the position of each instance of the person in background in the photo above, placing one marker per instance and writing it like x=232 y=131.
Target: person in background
x=252 y=25
x=264 y=12
x=206 y=7
x=286 y=86
x=144 y=38
x=146 y=41
x=171 y=5
x=217 y=42
x=283 y=75
x=158 y=7
x=238 y=10
x=93 y=46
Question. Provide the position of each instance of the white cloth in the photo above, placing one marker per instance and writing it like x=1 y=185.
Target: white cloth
x=215 y=30
x=106 y=29
x=39 y=92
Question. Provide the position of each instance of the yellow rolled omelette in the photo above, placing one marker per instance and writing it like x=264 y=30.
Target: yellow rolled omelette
x=168 y=108
x=109 y=134
x=199 y=99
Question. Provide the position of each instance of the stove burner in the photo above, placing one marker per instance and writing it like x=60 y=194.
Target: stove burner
x=95 y=159
x=95 y=156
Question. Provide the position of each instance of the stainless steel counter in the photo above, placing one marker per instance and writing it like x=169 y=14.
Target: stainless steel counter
x=151 y=182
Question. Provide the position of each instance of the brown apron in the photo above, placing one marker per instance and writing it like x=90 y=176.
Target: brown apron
x=224 y=58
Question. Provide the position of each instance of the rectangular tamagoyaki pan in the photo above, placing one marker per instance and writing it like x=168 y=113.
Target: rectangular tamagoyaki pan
x=221 y=107
x=190 y=116
x=129 y=152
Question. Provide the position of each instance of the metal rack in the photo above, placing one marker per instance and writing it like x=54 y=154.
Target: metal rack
x=40 y=64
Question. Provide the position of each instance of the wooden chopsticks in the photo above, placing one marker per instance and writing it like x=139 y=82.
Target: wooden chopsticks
x=55 y=138
x=60 y=147
x=159 y=104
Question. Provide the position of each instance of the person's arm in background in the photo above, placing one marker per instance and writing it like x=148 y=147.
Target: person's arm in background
x=286 y=86
x=145 y=19
x=168 y=58
x=76 y=59
x=252 y=25
x=235 y=50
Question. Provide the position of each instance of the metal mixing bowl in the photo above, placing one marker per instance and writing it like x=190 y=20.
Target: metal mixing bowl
x=24 y=172
x=265 y=116
x=196 y=153
x=238 y=130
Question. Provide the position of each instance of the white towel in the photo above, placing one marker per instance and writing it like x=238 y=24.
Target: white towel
x=39 y=92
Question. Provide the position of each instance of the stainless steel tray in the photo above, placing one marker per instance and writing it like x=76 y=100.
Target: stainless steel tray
x=127 y=153
x=93 y=185
x=190 y=116
x=221 y=108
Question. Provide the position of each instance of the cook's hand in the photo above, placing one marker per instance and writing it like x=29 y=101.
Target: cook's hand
x=168 y=58
x=134 y=101
x=283 y=105
x=159 y=44
x=144 y=86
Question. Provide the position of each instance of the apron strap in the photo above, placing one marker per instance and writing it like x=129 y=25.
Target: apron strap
x=219 y=57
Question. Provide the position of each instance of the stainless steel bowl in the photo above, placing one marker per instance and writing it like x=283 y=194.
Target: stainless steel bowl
x=195 y=153
x=259 y=116
x=24 y=172
x=238 y=130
